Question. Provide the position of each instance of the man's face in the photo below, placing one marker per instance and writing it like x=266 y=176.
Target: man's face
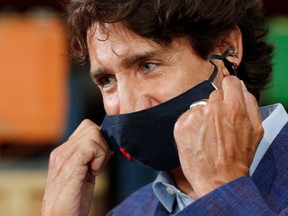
x=135 y=73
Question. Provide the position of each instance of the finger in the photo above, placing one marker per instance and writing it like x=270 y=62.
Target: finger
x=233 y=92
x=216 y=95
x=86 y=132
x=87 y=142
x=82 y=127
x=94 y=155
x=252 y=107
x=97 y=164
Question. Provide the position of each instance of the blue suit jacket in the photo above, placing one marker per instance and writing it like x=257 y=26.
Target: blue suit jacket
x=265 y=193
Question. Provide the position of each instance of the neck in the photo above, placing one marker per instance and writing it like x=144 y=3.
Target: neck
x=182 y=183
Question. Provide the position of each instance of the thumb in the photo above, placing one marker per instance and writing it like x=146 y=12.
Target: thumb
x=99 y=162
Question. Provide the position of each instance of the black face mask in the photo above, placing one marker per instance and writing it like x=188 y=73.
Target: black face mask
x=146 y=137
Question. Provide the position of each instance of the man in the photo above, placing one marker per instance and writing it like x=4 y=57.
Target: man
x=152 y=60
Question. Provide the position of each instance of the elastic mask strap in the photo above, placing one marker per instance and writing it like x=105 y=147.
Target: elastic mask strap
x=231 y=66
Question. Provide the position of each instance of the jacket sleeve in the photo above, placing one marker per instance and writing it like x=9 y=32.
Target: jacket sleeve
x=239 y=197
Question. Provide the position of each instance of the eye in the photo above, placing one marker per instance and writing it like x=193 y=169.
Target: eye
x=106 y=81
x=148 y=67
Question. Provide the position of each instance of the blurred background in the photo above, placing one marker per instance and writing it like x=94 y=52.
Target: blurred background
x=44 y=97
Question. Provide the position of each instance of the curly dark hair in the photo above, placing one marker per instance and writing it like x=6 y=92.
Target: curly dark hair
x=203 y=22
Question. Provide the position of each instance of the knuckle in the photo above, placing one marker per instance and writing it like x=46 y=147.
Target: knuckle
x=220 y=162
x=90 y=125
x=229 y=79
x=187 y=121
x=87 y=123
x=260 y=131
x=211 y=109
x=216 y=93
x=55 y=156
x=251 y=98
x=177 y=128
x=182 y=122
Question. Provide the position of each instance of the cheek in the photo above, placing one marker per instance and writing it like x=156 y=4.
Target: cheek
x=162 y=89
x=111 y=104
x=180 y=83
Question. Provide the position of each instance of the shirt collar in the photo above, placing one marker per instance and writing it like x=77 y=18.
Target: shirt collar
x=165 y=195
x=165 y=188
x=271 y=114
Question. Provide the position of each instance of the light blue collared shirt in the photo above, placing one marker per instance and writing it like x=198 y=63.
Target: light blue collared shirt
x=274 y=117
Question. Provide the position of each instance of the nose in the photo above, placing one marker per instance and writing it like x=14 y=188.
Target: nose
x=133 y=96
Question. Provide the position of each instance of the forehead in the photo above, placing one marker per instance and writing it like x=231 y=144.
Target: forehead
x=117 y=38
x=103 y=31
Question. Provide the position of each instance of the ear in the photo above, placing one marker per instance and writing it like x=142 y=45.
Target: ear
x=232 y=39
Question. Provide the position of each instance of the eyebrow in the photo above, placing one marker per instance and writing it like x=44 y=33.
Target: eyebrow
x=99 y=72
x=126 y=62
x=130 y=60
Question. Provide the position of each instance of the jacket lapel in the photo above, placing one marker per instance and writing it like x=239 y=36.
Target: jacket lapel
x=271 y=174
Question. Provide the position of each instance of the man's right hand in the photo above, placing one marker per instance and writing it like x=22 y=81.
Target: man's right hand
x=72 y=170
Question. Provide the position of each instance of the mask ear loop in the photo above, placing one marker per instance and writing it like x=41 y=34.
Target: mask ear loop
x=231 y=66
